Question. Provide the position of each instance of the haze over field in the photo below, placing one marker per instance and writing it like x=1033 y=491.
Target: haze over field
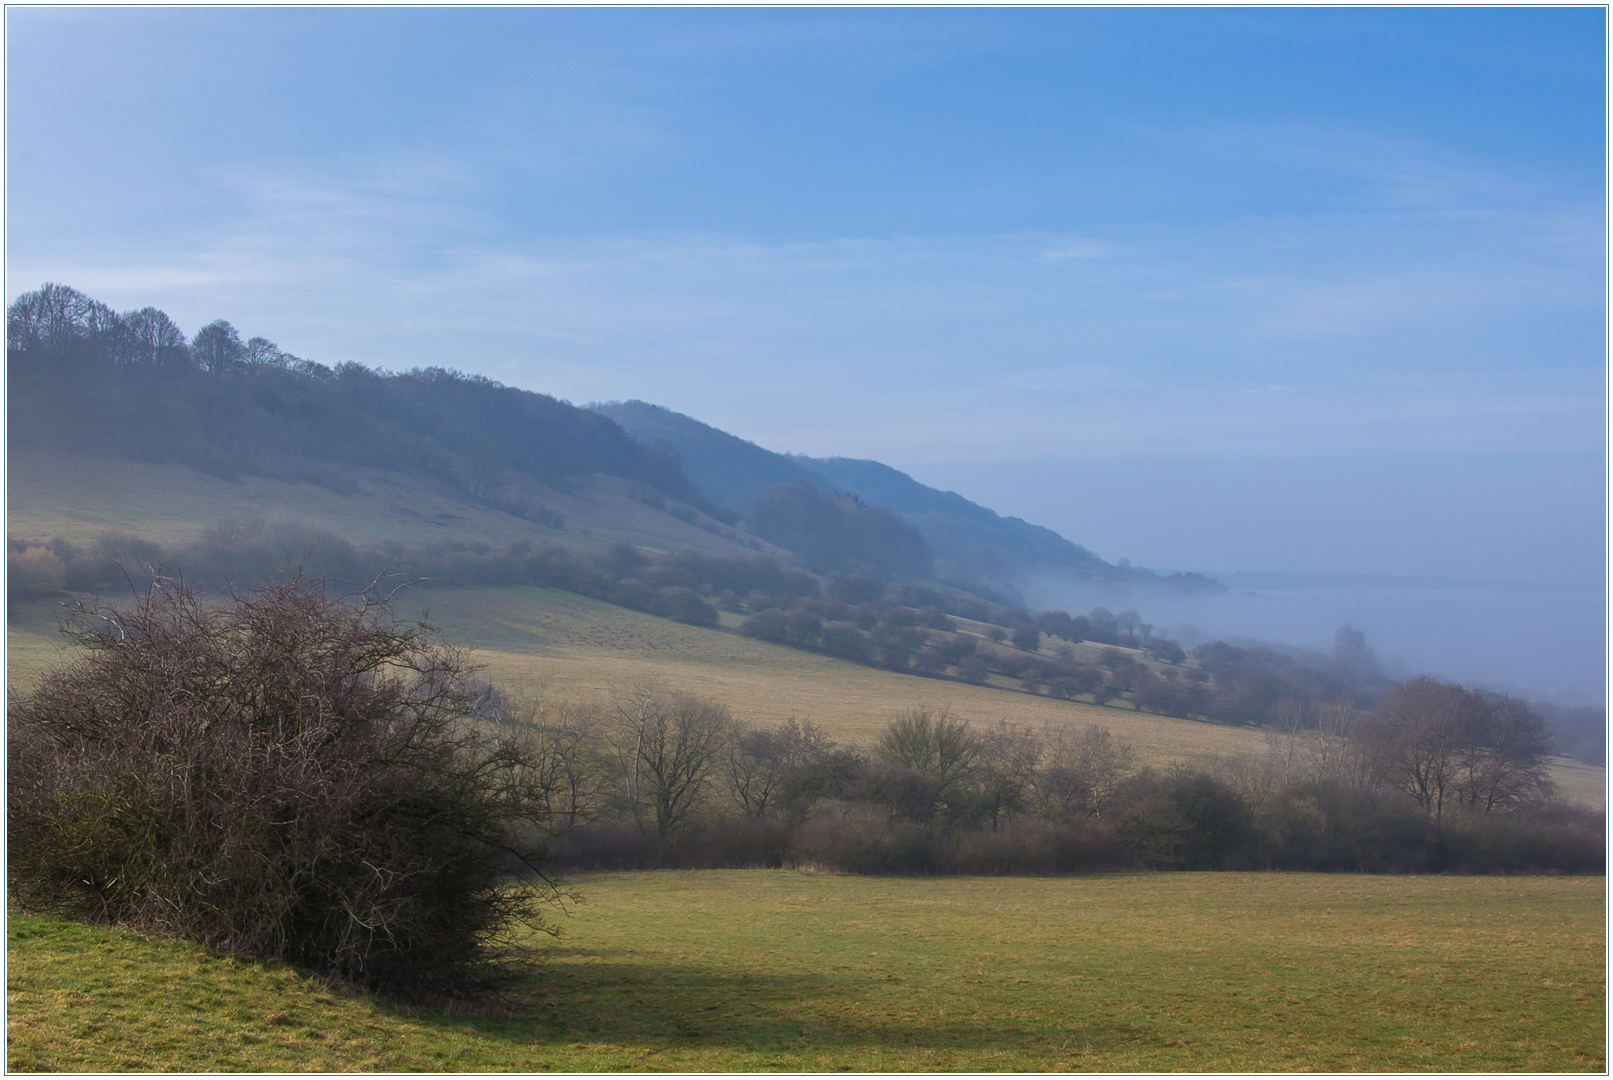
x=1486 y=568
x=1305 y=292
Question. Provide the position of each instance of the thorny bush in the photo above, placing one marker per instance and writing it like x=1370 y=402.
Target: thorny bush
x=284 y=775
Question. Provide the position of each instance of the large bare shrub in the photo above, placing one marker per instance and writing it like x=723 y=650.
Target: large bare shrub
x=282 y=775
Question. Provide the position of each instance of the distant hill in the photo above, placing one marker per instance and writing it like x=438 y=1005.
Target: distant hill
x=127 y=406
x=464 y=456
x=307 y=422
x=727 y=469
x=957 y=528
x=970 y=543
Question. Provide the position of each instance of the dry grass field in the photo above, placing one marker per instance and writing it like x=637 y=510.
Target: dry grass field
x=694 y=971
x=569 y=645
x=78 y=499
x=545 y=639
x=564 y=645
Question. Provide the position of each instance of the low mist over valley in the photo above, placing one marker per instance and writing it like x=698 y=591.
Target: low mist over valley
x=1541 y=639
x=1485 y=567
x=459 y=481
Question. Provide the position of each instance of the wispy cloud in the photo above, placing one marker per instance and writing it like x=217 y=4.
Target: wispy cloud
x=1362 y=167
x=1287 y=335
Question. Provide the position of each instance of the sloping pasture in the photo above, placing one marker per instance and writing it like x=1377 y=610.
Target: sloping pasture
x=560 y=644
x=79 y=498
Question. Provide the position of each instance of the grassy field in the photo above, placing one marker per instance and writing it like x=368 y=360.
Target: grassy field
x=78 y=499
x=778 y=970
x=562 y=644
x=569 y=645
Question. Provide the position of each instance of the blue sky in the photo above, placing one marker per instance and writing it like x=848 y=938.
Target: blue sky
x=1305 y=290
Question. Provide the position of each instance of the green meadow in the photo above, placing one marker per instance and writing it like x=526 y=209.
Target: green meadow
x=789 y=971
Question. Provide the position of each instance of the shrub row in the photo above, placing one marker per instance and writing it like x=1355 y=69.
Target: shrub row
x=1333 y=831
x=656 y=779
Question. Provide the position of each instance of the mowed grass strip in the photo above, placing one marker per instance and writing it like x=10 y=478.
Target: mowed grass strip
x=781 y=970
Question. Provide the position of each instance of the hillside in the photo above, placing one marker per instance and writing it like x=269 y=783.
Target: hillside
x=79 y=496
x=971 y=544
x=959 y=529
x=728 y=469
x=245 y=412
x=560 y=645
x=235 y=464
x=93 y=395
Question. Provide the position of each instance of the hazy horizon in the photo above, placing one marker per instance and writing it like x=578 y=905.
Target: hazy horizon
x=1303 y=291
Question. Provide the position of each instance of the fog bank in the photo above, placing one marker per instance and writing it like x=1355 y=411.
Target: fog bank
x=1538 y=643
x=1487 y=568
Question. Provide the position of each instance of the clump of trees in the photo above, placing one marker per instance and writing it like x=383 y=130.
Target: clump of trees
x=1250 y=683
x=902 y=626
x=673 y=781
x=687 y=586
x=283 y=775
x=915 y=629
x=1453 y=749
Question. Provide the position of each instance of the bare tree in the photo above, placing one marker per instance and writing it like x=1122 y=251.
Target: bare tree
x=1007 y=765
x=1130 y=622
x=148 y=339
x=261 y=352
x=564 y=740
x=1502 y=763
x=1027 y=637
x=1288 y=739
x=52 y=317
x=929 y=741
x=1352 y=659
x=1336 y=755
x=1253 y=780
x=218 y=346
x=1426 y=730
x=1081 y=774
x=761 y=763
x=668 y=747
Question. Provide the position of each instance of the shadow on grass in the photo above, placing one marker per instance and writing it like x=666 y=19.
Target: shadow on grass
x=618 y=998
